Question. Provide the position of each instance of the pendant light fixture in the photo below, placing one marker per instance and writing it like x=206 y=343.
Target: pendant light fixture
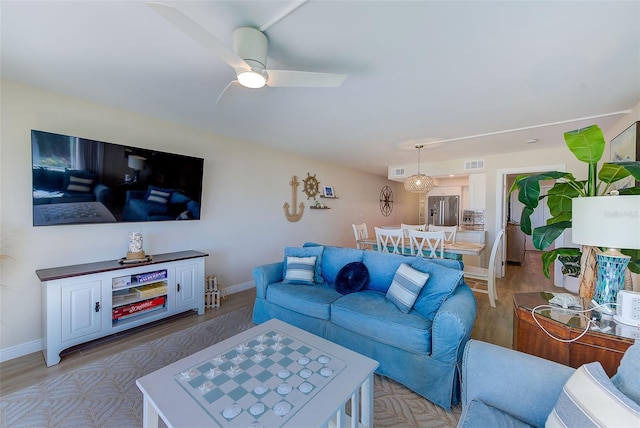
x=419 y=183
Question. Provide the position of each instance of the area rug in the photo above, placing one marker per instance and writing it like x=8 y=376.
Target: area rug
x=104 y=393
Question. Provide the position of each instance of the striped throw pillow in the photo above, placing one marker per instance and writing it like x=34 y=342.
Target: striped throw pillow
x=406 y=286
x=590 y=399
x=79 y=184
x=159 y=196
x=300 y=270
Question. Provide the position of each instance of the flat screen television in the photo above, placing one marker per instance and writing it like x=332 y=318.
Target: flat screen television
x=80 y=181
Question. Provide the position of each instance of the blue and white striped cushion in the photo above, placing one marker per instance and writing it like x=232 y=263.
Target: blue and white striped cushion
x=590 y=399
x=158 y=196
x=79 y=184
x=300 y=270
x=406 y=286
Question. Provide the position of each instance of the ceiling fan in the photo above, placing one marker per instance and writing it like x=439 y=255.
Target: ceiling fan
x=248 y=56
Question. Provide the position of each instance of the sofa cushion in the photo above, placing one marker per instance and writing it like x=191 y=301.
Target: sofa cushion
x=77 y=180
x=352 y=278
x=158 y=195
x=382 y=267
x=369 y=313
x=299 y=270
x=333 y=258
x=590 y=399
x=626 y=378
x=311 y=301
x=440 y=285
x=306 y=252
x=79 y=184
x=478 y=414
x=405 y=287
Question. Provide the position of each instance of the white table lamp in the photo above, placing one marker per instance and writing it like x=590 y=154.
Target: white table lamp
x=136 y=163
x=612 y=222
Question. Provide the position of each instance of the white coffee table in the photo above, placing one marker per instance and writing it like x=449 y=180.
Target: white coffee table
x=273 y=374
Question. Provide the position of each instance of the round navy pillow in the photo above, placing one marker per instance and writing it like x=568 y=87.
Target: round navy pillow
x=351 y=278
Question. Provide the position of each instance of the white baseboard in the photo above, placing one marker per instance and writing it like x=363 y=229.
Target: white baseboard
x=20 y=350
x=240 y=287
x=23 y=349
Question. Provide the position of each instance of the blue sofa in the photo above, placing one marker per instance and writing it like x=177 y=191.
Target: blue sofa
x=137 y=207
x=53 y=186
x=505 y=388
x=421 y=349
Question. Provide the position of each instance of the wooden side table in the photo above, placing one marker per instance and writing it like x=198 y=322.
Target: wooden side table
x=605 y=344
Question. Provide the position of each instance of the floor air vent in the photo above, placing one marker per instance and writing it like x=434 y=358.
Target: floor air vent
x=473 y=165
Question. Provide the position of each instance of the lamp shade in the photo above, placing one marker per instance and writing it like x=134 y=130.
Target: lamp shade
x=607 y=221
x=136 y=162
x=418 y=183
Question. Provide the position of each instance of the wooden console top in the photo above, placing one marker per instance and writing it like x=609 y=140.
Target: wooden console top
x=50 y=274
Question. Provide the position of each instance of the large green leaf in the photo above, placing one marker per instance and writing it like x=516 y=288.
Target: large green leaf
x=529 y=186
x=525 y=220
x=548 y=257
x=564 y=216
x=544 y=236
x=559 y=198
x=612 y=172
x=632 y=167
x=587 y=144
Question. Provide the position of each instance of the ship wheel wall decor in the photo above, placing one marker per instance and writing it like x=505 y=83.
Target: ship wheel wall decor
x=386 y=201
x=311 y=186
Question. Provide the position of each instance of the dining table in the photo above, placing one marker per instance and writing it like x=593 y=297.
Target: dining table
x=452 y=249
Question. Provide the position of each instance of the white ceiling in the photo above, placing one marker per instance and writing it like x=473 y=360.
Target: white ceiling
x=418 y=71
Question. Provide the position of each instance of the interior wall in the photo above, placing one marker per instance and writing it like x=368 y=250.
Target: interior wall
x=242 y=226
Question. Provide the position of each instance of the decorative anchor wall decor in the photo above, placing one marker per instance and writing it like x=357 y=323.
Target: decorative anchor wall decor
x=295 y=215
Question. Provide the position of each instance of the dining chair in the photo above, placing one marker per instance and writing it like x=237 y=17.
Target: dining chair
x=476 y=273
x=360 y=231
x=426 y=244
x=407 y=227
x=390 y=240
x=449 y=231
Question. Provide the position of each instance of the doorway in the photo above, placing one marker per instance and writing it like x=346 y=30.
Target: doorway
x=503 y=214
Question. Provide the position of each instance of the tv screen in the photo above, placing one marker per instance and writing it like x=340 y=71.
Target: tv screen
x=77 y=180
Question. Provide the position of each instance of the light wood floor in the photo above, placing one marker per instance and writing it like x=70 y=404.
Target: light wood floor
x=494 y=325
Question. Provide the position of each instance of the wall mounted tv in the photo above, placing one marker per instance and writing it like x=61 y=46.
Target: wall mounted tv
x=77 y=180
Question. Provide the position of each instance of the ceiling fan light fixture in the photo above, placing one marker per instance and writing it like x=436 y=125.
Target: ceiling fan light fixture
x=252 y=79
x=419 y=183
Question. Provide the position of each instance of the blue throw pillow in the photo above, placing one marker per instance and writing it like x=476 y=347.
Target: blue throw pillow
x=442 y=281
x=405 y=287
x=299 y=270
x=306 y=252
x=352 y=278
x=627 y=378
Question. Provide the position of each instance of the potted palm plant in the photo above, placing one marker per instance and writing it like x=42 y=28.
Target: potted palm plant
x=588 y=145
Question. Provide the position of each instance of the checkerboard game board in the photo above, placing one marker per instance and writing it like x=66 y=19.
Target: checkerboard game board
x=260 y=383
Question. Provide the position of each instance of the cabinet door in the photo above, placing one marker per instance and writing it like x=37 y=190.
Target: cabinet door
x=81 y=307
x=186 y=285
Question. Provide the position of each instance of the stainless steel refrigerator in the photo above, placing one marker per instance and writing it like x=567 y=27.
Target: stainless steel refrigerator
x=442 y=210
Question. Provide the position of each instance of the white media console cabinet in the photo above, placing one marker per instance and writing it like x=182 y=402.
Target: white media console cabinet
x=85 y=302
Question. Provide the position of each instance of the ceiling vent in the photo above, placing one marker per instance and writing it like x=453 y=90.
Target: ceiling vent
x=472 y=165
x=397 y=172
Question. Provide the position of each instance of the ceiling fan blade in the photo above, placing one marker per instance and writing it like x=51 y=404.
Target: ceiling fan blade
x=303 y=79
x=224 y=91
x=199 y=34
